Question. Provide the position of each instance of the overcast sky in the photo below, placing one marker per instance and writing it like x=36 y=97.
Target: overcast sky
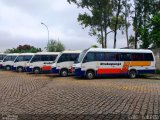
x=20 y=23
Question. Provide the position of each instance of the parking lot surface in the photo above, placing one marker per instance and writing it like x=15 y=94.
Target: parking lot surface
x=47 y=97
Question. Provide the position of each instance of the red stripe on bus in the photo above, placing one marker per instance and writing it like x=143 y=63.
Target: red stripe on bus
x=109 y=71
x=46 y=68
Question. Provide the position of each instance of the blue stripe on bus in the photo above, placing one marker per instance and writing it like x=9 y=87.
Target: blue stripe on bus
x=146 y=71
x=79 y=72
x=1 y=67
x=28 y=69
x=14 y=68
x=55 y=70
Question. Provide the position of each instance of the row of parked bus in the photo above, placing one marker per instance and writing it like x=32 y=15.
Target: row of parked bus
x=89 y=63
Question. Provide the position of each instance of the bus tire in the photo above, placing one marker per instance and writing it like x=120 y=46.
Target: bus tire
x=20 y=69
x=90 y=74
x=36 y=70
x=8 y=67
x=132 y=74
x=64 y=73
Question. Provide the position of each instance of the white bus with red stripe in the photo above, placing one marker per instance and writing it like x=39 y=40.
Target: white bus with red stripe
x=64 y=62
x=99 y=62
x=41 y=62
x=21 y=61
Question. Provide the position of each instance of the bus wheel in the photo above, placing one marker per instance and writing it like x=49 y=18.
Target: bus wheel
x=64 y=73
x=132 y=74
x=8 y=68
x=20 y=69
x=36 y=70
x=90 y=75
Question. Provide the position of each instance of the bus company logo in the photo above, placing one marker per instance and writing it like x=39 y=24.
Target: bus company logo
x=110 y=63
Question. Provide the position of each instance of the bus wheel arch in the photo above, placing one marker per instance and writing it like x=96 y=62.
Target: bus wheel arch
x=20 y=69
x=132 y=73
x=64 y=72
x=90 y=74
x=36 y=70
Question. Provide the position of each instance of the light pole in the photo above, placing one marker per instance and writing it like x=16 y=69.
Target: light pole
x=47 y=30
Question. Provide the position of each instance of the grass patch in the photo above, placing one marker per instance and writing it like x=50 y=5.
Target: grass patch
x=157 y=71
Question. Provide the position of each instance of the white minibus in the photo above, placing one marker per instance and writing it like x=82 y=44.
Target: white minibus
x=64 y=62
x=8 y=61
x=97 y=62
x=41 y=62
x=21 y=61
x=2 y=56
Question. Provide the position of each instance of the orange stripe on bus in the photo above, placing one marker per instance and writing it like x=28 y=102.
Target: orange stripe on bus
x=140 y=63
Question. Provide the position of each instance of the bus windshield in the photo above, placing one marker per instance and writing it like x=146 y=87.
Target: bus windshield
x=81 y=56
x=23 y=58
x=2 y=57
x=9 y=58
x=42 y=58
x=57 y=58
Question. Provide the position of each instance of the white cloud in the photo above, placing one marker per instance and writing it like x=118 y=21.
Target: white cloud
x=20 y=22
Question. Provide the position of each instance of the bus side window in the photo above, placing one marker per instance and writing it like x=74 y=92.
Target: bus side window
x=137 y=57
x=13 y=58
x=148 y=57
x=18 y=59
x=100 y=56
x=73 y=57
x=44 y=58
x=89 y=57
x=36 y=58
x=63 y=58
x=52 y=57
x=1 y=57
x=109 y=57
x=117 y=56
x=27 y=58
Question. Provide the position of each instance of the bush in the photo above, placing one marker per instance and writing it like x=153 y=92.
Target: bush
x=24 y=49
x=157 y=71
x=55 y=46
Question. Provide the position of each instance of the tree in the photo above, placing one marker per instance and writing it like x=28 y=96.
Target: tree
x=24 y=49
x=94 y=46
x=55 y=46
x=98 y=19
x=117 y=7
x=131 y=41
x=143 y=12
x=126 y=12
x=155 y=31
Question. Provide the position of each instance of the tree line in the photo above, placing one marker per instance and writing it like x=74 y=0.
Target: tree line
x=109 y=16
x=52 y=46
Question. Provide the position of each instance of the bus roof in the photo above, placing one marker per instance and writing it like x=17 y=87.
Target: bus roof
x=3 y=54
x=119 y=50
x=75 y=51
x=47 y=53
x=26 y=54
x=13 y=54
